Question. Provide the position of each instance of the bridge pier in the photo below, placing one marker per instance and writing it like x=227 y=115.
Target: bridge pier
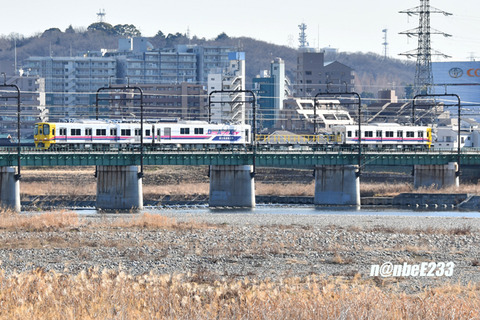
x=119 y=188
x=232 y=186
x=436 y=175
x=337 y=185
x=9 y=189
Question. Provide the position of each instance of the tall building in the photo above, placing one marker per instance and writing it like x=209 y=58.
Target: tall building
x=71 y=81
x=314 y=76
x=186 y=101
x=32 y=107
x=229 y=107
x=271 y=90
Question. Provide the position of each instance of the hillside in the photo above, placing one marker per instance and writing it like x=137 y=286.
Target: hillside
x=372 y=72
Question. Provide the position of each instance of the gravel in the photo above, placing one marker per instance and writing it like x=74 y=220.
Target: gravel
x=272 y=246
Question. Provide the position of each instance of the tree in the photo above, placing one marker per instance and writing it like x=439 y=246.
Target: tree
x=160 y=35
x=102 y=26
x=222 y=36
x=127 y=30
x=70 y=30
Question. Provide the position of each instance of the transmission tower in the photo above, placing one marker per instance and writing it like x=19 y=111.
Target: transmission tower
x=101 y=15
x=423 y=72
x=385 y=44
x=303 y=37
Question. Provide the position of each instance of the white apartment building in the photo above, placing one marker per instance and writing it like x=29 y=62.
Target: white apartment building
x=229 y=107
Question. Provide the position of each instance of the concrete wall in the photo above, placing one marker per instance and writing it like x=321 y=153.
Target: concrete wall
x=232 y=186
x=337 y=185
x=9 y=189
x=436 y=175
x=119 y=188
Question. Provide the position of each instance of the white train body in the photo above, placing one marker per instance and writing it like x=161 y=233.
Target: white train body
x=384 y=135
x=95 y=133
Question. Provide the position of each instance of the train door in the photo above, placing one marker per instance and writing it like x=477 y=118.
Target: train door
x=62 y=133
x=88 y=134
x=167 y=132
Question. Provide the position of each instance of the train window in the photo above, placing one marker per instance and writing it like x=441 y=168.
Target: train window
x=159 y=132
x=389 y=134
x=101 y=132
x=35 y=132
x=75 y=132
x=113 y=132
x=420 y=134
x=46 y=129
x=63 y=131
x=410 y=134
x=379 y=133
x=184 y=130
x=126 y=132
x=349 y=134
x=147 y=133
x=138 y=132
x=356 y=133
x=400 y=134
x=88 y=131
x=368 y=134
x=198 y=130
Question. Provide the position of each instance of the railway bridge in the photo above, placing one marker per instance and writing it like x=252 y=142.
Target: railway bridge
x=232 y=173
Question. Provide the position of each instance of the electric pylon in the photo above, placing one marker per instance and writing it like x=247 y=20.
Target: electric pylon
x=423 y=72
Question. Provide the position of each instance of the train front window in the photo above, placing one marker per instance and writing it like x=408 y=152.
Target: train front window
x=46 y=129
x=35 y=132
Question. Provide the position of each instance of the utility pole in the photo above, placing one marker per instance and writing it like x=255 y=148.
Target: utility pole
x=423 y=72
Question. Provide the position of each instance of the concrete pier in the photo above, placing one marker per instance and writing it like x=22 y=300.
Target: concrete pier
x=337 y=185
x=436 y=175
x=9 y=189
x=232 y=186
x=119 y=188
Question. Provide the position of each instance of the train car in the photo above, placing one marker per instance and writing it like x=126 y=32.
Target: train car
x=101 y=134
x=384 y=135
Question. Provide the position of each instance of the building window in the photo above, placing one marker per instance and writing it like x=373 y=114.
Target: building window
x=308 y=73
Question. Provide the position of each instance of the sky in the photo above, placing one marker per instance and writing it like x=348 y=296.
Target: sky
x=348 y=25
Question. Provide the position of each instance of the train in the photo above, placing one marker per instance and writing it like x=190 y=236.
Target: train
x=109 y=134
x=119 y=135
x=384 y=136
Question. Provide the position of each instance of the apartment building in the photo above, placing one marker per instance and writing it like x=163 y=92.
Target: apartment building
x=314 y=75
x=71 y=82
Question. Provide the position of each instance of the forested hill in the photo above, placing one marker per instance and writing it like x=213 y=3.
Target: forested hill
x=372 y=71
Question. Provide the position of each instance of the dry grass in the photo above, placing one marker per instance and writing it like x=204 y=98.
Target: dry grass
x=48 y=221
x=116 y=295
x=11 y=220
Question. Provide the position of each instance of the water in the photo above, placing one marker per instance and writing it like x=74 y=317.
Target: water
x=266 y=209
